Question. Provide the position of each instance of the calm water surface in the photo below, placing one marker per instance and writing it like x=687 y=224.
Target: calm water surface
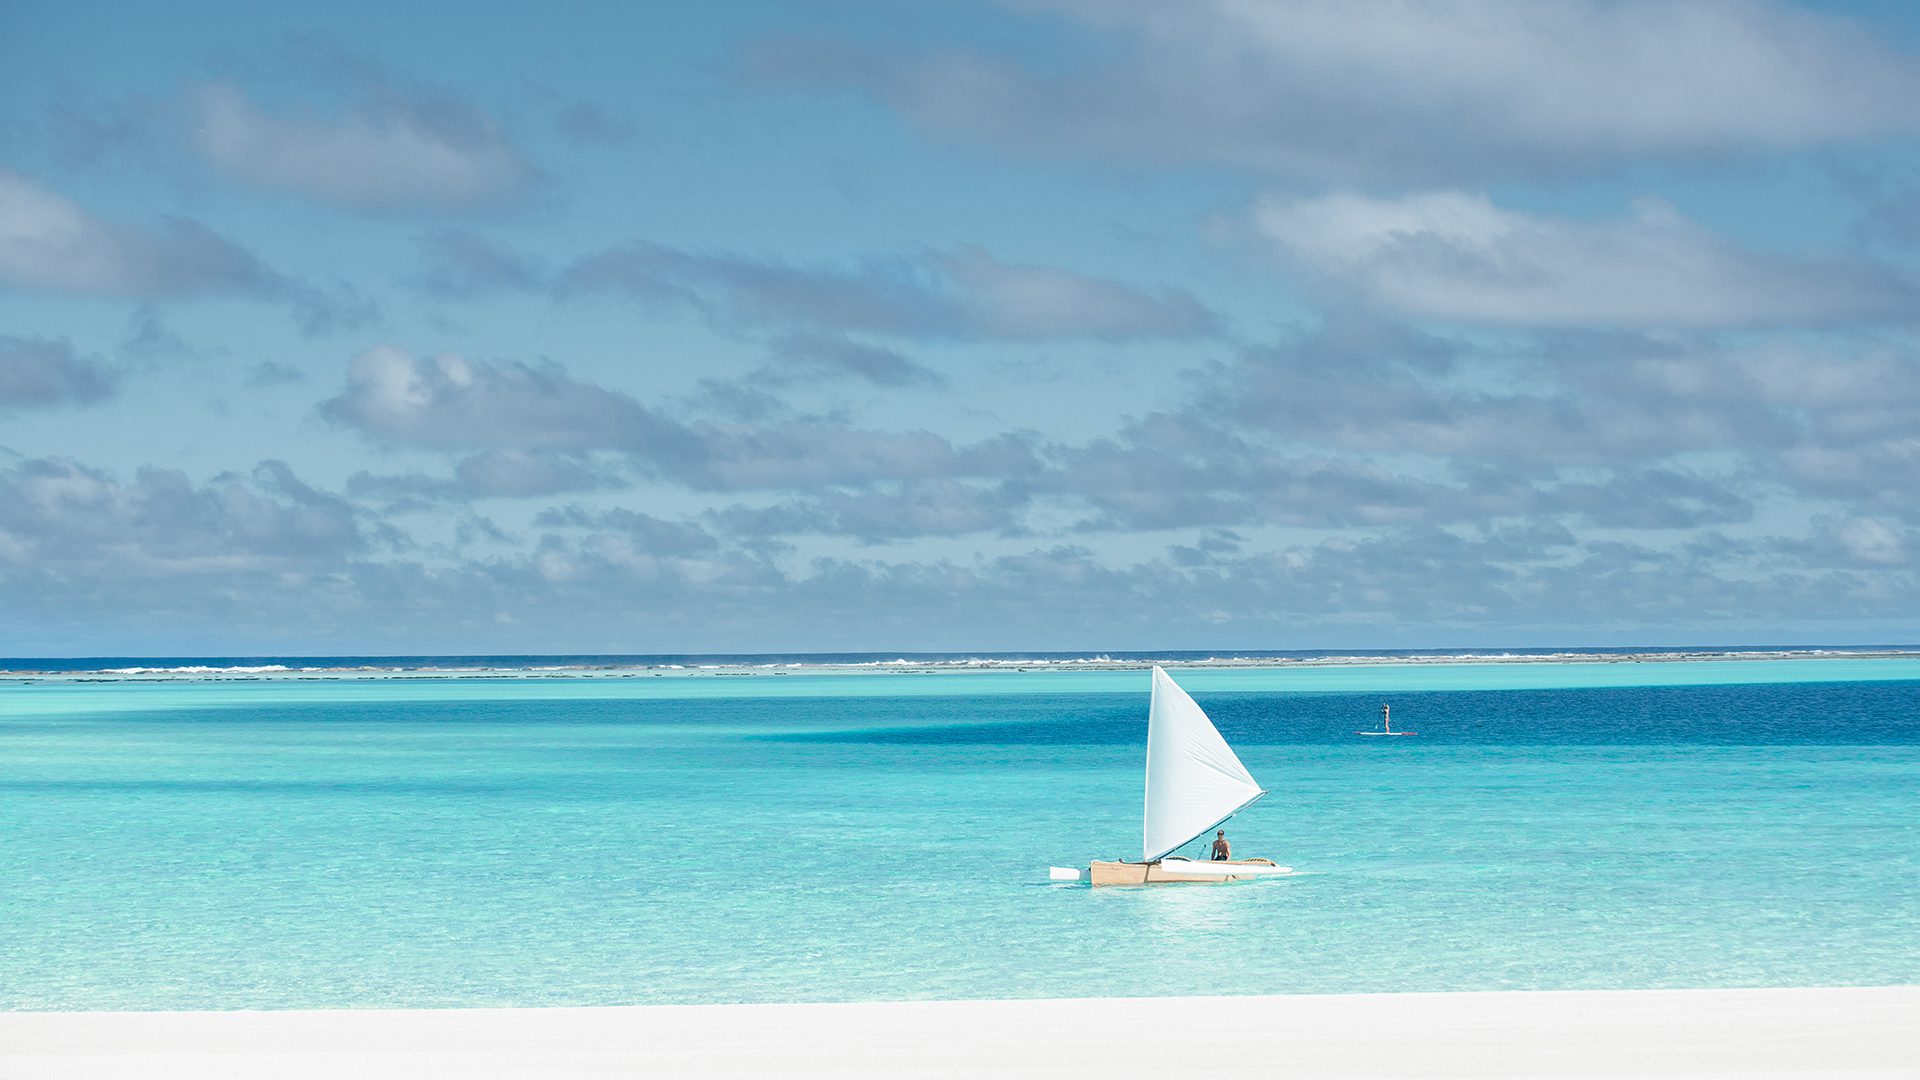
x=629 y=841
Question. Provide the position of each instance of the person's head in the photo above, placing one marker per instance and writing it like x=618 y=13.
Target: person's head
x=1220 y=834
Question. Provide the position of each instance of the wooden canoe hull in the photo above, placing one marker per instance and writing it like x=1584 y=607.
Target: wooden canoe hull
x=1133 y=873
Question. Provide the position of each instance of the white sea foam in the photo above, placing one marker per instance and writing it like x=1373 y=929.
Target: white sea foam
x=396 y=668
x=198 y=669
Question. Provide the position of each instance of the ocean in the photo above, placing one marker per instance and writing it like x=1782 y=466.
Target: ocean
x=219 y=839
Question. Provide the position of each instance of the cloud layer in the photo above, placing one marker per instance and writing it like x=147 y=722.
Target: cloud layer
x=35 y=373
x=1079 y=323
x=48 y=242
x=964 y=294
x=393 y=152
x=1457 y=256
x=1398 y=91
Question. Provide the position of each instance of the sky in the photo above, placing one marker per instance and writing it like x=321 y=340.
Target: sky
x=1035 y=324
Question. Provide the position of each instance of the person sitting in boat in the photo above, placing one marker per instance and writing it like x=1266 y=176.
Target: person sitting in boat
x=1222 y=851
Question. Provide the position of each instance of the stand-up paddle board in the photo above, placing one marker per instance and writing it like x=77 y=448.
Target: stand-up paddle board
x=1386 y=724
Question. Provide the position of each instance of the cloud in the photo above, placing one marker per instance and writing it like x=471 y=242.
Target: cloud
x=403 y=493
x=464 y=264
x=449 y=402
x=37 y=372
x=806 y=454
x=1528 y=406
x=47 y=242
x=896 y=511
x=1363 y=430
x=325 y=312
x=1401 y=92
x=265 y=561
x=1457 y=256
x=1874 y=476
x=1181 y=471
x=656 y=536
x=268 y=373
x=1651 y=498
x=522 y=474
x=821 y=356
x=395 y=151
x=1186 y=469
x=965 y=294
x=58 y=512
x=1368 y=428
x=1854 y=542
x=491 y=474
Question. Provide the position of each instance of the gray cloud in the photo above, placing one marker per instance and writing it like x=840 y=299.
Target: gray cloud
x=807 y=454
x=897 y=511
x=397 y=150
x=1173 y=471
x=58 y=512
x=148 y=336
x=88 y=555
x=1652 y=498
x=37 y=372
x=521 y=474
x=1424 y=582
x=1452 y=255
x=269 y=373
x=1534 y=402
x=513 y=474
x=325 y=312
x=1874 y=477
x=404 y=493
x=49 y=242
x=447 y=402
x=1404 y=91
x=1183 y=470
x=656 y=536
x=965 y=294
x=1606 y=431
x=465 y=264
x=825 y=356
x=1853 y=542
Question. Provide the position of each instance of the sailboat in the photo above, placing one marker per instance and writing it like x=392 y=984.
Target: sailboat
x=1194 y=784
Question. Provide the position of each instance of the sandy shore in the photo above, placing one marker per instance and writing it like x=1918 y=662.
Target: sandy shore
x=1872 y=1032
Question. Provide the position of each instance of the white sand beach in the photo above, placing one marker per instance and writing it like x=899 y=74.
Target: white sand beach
x=1856 y=1032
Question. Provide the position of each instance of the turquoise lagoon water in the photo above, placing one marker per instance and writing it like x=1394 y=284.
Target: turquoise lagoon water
x=421 y=842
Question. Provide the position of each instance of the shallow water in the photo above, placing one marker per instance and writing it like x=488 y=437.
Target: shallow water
x=832 y=837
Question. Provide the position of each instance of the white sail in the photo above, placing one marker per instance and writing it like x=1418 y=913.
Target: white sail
x=1194 y=781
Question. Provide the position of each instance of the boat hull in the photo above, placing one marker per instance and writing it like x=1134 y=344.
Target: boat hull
x=1156 y=873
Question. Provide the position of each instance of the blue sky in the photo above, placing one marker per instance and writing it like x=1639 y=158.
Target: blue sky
x=1035 y=324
